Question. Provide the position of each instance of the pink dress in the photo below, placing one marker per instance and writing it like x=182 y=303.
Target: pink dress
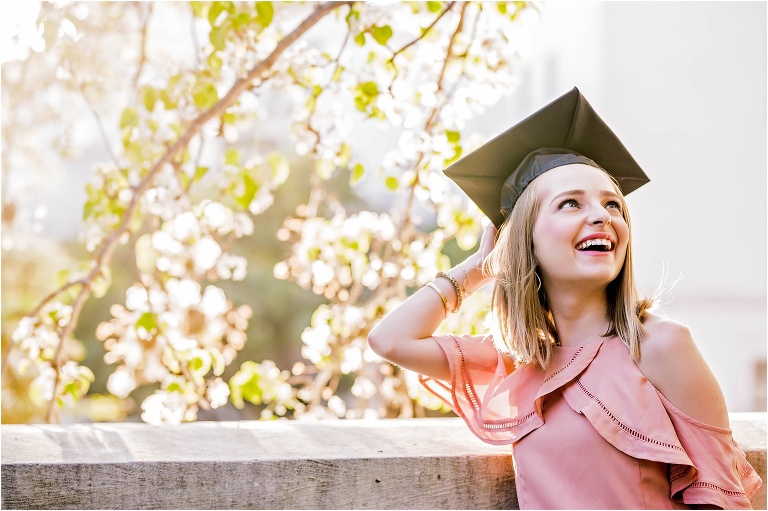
x=591 y=432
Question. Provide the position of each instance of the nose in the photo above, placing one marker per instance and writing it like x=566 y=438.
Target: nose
x=599 y=216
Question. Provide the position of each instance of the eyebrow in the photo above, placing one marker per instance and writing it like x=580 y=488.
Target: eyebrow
x=603 y=193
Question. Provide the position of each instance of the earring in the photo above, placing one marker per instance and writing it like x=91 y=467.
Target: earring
x=538 y=282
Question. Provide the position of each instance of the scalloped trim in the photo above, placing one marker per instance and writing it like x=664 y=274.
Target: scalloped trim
x=711 y=486
x=575 y=355
x=495 y=425
x=623 y=426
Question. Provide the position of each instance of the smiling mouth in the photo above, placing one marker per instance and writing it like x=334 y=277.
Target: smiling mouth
x=595 y=245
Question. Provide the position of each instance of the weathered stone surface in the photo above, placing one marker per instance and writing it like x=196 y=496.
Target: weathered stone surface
x=388 y=464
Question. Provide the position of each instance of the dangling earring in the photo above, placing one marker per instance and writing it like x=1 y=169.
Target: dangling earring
x=538 y=282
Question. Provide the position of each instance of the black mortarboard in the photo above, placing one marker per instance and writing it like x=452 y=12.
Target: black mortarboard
x=565 y=131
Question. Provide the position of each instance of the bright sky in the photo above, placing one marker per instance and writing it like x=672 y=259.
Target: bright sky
x=18 y=33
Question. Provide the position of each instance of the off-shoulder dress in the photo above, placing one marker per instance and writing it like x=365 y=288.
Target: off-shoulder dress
x=591 y=432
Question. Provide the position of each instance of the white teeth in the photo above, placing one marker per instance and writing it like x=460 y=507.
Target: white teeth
x=597 y=241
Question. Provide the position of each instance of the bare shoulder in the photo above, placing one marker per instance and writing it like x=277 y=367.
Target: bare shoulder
x=671 y=361
x=665 y=337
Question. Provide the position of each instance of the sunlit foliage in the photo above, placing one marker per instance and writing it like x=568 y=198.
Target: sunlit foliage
x=184 y=181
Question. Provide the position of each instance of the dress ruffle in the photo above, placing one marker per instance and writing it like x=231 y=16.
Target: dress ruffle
x=501 y=404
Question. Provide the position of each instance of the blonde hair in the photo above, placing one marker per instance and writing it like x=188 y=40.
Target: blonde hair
x=524 y=323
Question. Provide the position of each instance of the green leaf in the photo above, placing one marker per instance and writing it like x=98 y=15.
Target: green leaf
x=434 y=6
x=147 y=321
x=353 y=14
x=100 y=285
x=264 y=13
x=357 y=174
x=280 y=168
x=174 y=81
x=502 y=7
x=345 y=154
x=217 y=38
x=129 y=117
x=229 y=118
x=369 y=89
x=217 y=361
x=232 y=157
x=457 y=151
x=196 y=364
x=392 y=183
x=337 y=73
x=453 y=136
x=88 y=209
x=215 y=63
x=199 y=9
x=214 y=11
x=204 y=95
x=241 y=20
x=360 y=39
x=251 y=187
x=382 y=34
x=168 y=102
x=62 y=276
x=200 y=173
x=361 y=103
x=148 y=97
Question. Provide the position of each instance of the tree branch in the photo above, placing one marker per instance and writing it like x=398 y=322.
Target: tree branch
x=426 y=31
x=97 y=117
x=108 y=246
x=430 y=122
x=143 y=47
x=423 y=34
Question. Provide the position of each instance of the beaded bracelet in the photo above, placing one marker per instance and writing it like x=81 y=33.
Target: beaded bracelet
x=442 y=296
x=456 y=287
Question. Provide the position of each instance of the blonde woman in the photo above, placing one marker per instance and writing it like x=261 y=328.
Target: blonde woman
x=606 y=405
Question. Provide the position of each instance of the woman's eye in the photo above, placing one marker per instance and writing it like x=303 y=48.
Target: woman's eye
x=613 y=204
x=568 y=203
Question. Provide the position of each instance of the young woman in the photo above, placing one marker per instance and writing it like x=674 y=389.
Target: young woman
x=606 y=404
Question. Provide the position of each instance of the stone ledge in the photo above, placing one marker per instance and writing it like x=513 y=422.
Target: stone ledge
x=386 y=464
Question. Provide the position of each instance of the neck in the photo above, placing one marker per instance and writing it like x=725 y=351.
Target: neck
x=580 y=316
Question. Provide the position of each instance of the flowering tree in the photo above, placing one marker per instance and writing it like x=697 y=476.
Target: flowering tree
x=184 y=182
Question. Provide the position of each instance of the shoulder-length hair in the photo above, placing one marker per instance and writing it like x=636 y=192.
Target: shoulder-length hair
x=524 y=326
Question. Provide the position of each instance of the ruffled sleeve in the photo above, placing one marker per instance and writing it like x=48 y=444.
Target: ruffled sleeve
x=486 y=389
x=720 y=475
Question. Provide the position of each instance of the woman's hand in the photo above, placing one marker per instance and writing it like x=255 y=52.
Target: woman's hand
x=404 y=335
x=473 y=265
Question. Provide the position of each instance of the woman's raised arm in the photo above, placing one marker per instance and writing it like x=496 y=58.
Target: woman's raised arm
x=404 y=335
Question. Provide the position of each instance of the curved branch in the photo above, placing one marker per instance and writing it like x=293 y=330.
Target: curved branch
x=430 y=122
x=143 y=48
x=424 y=33
x=108 y=246
x=99 y=122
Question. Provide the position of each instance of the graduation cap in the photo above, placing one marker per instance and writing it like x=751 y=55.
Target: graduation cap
x=565 y=131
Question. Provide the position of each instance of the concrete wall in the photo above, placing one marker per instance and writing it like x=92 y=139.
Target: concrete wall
x=387 y=464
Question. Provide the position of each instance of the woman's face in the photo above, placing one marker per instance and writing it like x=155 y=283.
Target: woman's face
x=580 y=236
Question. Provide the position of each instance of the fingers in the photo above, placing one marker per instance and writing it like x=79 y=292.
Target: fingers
x=488 y=240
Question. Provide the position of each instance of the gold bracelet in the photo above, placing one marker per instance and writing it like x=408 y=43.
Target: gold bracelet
x=442 y=296
x=456 y=287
